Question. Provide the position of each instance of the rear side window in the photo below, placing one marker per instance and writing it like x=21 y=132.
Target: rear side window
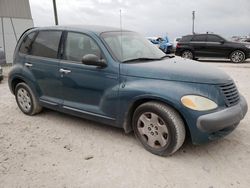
x=26 y=43
x=199 y=38
x=46 y=44
x=213 y=38
x=185 y=38
x=77 y=45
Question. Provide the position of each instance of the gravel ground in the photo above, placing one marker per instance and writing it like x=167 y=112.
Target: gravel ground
x=57 y=150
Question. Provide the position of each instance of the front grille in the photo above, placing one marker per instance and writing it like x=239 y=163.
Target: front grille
x=230 y=93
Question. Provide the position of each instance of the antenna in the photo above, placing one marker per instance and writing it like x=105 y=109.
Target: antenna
x=121 y=19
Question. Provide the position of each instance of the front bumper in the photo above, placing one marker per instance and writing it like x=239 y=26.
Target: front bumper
x=224 y=119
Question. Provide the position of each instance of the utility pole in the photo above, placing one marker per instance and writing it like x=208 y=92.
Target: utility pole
x=55 y=12
x=193 y=17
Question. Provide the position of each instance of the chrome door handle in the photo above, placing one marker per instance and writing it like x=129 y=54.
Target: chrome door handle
x=28 y=64
x=65 y=71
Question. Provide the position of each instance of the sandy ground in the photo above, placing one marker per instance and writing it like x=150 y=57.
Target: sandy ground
x=57 y=150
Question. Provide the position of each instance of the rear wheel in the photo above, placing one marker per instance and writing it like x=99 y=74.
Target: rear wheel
x=187 y=54
x=26 y=99
x=159 y=128
x=237 y=56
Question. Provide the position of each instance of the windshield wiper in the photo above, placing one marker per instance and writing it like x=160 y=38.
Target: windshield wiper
x=141 y=59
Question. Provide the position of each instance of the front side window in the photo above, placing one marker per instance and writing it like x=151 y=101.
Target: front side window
x=46 y=44
x=213 y=38
x=26 y=43
x=199 y=38
x=78 y=45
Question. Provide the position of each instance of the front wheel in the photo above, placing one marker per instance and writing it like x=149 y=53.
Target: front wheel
x=187 y=54
x=237 y=56
x=159 y=128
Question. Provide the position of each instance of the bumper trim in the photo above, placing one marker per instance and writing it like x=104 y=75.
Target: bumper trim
x=223 y=119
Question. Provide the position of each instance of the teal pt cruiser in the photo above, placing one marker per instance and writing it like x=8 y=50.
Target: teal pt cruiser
x=119 y=78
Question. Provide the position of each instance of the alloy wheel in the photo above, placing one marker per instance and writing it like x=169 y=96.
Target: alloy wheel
x=24 y=99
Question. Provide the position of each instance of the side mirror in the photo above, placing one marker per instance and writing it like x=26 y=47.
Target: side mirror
x=222 y=41
x=92 y=59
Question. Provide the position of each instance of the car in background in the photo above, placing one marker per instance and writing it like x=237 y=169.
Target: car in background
x=246 y=40
x=176 y=40
x=2 y=56
x=212 y=45
x=1 y=73
x=162 y=43
x=2 y=62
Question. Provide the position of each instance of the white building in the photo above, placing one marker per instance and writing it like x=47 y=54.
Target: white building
x=15 y=18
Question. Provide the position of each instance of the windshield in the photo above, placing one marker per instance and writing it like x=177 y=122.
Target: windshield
x=127 y=46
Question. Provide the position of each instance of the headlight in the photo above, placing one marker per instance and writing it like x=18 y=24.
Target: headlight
x=248 y=46
x=198 y=103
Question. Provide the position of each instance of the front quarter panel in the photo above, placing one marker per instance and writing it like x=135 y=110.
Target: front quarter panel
x=169 y=92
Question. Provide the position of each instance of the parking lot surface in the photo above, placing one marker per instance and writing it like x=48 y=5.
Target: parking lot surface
x=52 y=149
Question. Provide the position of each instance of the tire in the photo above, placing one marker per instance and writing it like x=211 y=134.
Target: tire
x=26 y=100
x=159 y=128
x=237 y=56
x=187 y=54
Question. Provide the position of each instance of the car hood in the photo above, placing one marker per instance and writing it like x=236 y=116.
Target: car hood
x=175 y=69
x=239 y=43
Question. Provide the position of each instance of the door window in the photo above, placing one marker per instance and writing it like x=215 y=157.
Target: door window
x=213 y=38
x=78 y=45
x=199 y=38
x=25 y=46
x=46 y=44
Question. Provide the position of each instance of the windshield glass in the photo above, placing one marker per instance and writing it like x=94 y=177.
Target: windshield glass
x=127 y=46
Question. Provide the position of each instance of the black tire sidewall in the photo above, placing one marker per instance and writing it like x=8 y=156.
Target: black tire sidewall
x=188 y=51
x=170 y=126
x=24 y=86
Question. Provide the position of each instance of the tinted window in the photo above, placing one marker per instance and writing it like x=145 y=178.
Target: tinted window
x=213 y=38
x=199 y=38
x=186 y=38
x=46 y=44
x=77 y=45
x=178 y=39
x=25 y=46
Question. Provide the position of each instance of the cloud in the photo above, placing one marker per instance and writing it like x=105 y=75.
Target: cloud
x=226 y=17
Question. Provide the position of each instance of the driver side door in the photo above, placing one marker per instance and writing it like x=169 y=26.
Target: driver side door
x=88 y=91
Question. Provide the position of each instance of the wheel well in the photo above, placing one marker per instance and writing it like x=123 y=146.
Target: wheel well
x=14 y=83
x=187 y=49
x=128 y=121
x=236 y=50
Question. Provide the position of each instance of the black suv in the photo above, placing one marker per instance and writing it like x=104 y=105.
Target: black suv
x=211 y=45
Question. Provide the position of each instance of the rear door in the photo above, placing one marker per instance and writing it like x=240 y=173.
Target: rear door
x=88 y=91
x=198 y=42
x=43 y=63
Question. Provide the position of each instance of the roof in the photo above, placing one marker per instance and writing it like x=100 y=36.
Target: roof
x=90 y=28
